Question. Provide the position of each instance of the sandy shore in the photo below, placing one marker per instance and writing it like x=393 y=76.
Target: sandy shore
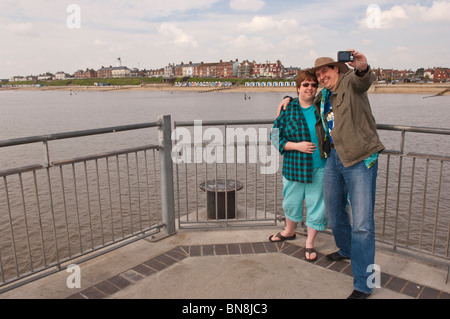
x=431 y=89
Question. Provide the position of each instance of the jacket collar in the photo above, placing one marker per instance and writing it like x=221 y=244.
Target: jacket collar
x=341 y=75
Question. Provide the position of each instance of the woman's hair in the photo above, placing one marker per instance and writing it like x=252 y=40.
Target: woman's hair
x=303 y=76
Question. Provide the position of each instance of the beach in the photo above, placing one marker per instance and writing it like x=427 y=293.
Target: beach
x=430 y=88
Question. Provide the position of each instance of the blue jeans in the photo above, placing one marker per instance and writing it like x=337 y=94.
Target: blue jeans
x=357 y=242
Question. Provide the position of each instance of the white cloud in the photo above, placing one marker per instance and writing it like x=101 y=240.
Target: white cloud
x=394 y=17
x=247 y=5
x=178 y=36
x=253 y=43
x=23 y=29
x=266 y=24
x=406 y=15
x=438 y=12
x=100 y=42
x=298 y=41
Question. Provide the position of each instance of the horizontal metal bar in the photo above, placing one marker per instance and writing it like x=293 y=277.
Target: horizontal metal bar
x=416 y=129
x=104 y=155
x=219 y=144
x=224 y=122
x=391 y=152
x=429 y=156
x=20 y=170
x=66 y=135
x=418 y=155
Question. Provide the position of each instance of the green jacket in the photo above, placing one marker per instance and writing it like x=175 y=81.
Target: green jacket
x=354 y=133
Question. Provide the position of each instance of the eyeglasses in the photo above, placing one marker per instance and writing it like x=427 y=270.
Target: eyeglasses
x=305 y=85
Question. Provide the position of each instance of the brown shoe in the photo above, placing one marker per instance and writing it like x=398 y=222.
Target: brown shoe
x=336 y=256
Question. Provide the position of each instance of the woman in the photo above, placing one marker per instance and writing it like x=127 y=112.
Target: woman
x=295 y=137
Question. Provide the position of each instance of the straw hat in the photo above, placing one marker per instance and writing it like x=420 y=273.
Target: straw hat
x=321 y=62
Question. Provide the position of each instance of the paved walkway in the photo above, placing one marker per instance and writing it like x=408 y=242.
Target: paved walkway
x=234 y=264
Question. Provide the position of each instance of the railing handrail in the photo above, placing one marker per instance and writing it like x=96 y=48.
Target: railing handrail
x=122 y=128
x=165 y=219
x=52 y=190
x=390 y=127
x=415 y=129
x=73 y=134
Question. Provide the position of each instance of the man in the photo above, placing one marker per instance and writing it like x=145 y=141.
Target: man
x=349 y=140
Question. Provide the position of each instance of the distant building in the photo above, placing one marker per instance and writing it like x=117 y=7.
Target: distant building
x=169 y=71
x=226 y=69
x=428 y=74
x=121 y=72
x=441 y=75
x=104 y=72
x=155 y=73
x=88 y=74
x=45 y=77
x=245 y=69
x=62 y=76
x=269 y=70
x=210 y=70
x=113 y=72
x=206 y=70
x=291 y=72
x=17 y=78
x=188 y=70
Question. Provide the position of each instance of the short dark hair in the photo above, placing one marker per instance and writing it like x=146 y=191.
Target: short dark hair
x=303 y=76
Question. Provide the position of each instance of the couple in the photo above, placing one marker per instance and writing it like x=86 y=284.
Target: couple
x=330 y=149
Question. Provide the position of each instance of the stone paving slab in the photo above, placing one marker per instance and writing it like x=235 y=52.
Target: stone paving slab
x=124 y=282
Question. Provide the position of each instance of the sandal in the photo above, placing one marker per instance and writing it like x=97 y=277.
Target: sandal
x=310 y=251
x=282 y=238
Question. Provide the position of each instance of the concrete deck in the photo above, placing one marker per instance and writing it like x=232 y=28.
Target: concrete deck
x=233 y=264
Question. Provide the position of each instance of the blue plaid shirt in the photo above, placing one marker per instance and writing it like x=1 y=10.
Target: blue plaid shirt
x=291 y=126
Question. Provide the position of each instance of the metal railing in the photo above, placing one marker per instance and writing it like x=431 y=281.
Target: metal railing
x=413 y=202
x=71 y=210
x=75 y=209
x=237 y=151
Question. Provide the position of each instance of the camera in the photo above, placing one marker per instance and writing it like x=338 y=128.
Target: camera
x=345 y=56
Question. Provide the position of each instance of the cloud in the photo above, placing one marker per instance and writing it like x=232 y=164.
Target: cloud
x=253 y=43
x=22 y=29
x=178 y=36
x=298 y=41
x=247 y=5
x=438 y=12
x=266 y=24
x=406 y=15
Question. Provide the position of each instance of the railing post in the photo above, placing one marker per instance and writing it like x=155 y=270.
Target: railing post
x=167 y=186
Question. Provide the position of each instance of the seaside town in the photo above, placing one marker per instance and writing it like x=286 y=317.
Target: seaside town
x=226 y=70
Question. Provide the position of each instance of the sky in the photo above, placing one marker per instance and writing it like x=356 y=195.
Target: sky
x=41 y=36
